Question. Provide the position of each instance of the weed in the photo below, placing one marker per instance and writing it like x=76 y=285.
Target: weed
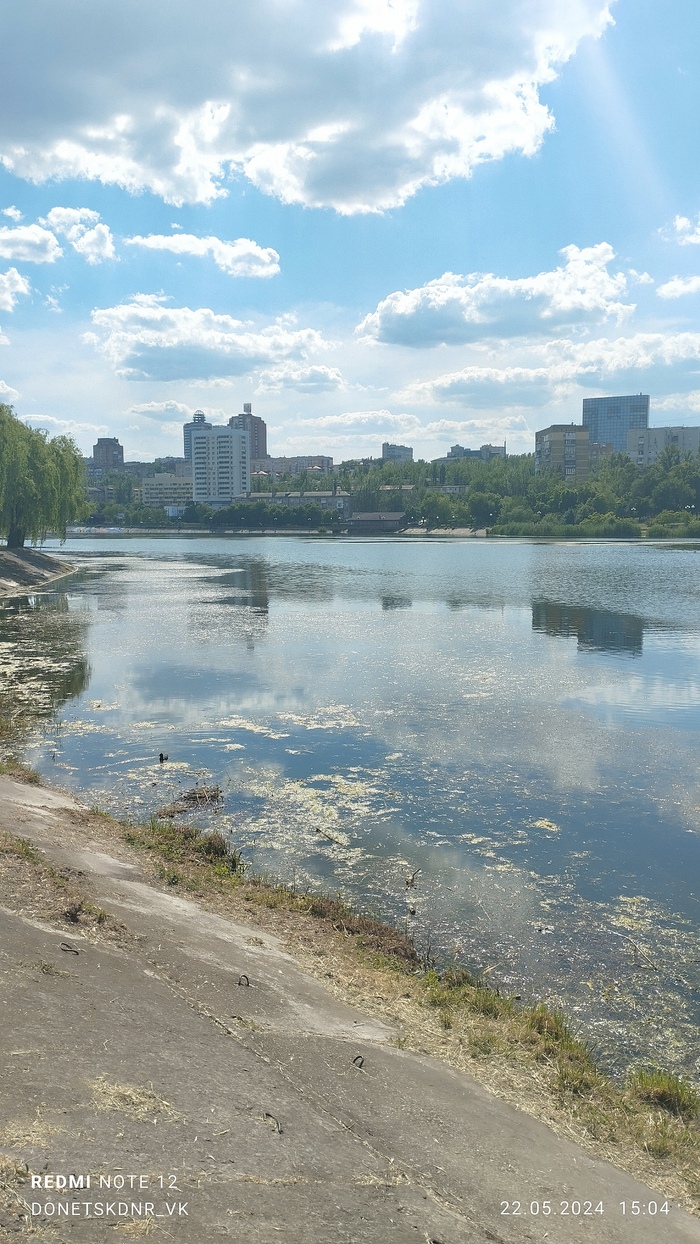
x=662 y=1088
x=19 y=847
x=21 y=772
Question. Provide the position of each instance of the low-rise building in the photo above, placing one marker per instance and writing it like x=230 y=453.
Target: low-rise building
x=339 y=500
x=166 y=491
x=485 y=452
x=645 y=444
x=275 y=467
x=375 y=524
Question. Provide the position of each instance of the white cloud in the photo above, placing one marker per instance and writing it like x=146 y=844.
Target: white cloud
x=561 y=365
x=162 y=408
x=146 y=340
x=6 y=391
x=12 y=212
x=64 y=427
x=456 y=309
x=453 y=429
x=81 y=227
x=30 y=243
x=152 y=410
x=155 y=98
x=239 y=258
x=684 y=402
x=685 y=232
x=312 y=378
x=678 y=286
x=11 y=285
x=487 y=386
x=358 y=420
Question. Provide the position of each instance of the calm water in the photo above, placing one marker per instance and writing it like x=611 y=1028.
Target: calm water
x=519 y=721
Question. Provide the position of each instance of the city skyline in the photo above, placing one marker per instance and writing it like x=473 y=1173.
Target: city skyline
x=494 y=227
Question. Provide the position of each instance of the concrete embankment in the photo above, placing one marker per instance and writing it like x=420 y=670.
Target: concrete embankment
x=187 y=1060
x=21 y=569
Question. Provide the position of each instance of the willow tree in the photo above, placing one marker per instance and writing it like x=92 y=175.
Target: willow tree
x=41 y=482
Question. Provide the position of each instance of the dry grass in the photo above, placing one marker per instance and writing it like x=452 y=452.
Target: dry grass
x=138 y=1103
x=24 y=1133
x=137 y=1227
x=29 y=885
x=15 y=769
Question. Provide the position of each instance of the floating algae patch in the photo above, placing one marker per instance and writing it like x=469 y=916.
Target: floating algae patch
x=550 y=826
x=326 y=717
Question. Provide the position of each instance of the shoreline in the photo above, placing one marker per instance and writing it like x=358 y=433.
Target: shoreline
x=526 y=1056
x=24 y=569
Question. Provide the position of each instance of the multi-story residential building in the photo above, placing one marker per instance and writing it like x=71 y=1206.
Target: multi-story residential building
x=256 y=427
x=609 y=419
x=107 y=454
x=396 y=453
x=166 y=491
x=294 y=466
x=220 y=464
x=645 y=444
x=199 y=420
x=564 y=447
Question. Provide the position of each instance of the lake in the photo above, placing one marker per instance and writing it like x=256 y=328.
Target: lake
x=519 y=721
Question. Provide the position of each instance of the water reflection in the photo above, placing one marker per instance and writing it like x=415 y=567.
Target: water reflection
x=599 y=630
x=42 y=642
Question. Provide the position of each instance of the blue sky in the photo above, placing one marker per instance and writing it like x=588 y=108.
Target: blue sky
x=425 y=221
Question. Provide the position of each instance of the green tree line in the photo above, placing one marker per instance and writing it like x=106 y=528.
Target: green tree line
x=508 y=498
x=503 y=495
x=42 y=482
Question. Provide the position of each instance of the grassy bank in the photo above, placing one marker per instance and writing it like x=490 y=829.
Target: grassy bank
x=528 y=1055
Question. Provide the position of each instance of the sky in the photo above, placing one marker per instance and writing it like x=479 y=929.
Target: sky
x=423 y=221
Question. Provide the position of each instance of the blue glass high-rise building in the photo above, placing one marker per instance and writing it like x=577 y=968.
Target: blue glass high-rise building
x=609 y=419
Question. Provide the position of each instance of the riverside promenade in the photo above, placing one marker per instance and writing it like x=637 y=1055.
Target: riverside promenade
x=187 y=1063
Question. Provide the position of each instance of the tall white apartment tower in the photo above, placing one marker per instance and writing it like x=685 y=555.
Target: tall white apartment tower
x=220 y=464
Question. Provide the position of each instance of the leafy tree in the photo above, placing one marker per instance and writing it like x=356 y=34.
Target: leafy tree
x=42 y=482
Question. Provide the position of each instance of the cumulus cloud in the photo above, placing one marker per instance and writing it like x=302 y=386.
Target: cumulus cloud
x=11 y=286
x=12 y=212
x=312 y=378
x=678 y=286
x=7 y=392
x=153 y=97
x=239 y=258
x=560 y=365
x=456 y=309
x=162 y=408
x=685 y=232
x=146 y=340
x=487 y=386
x=80 y=226
x=454 y=429
x=358 y=420
x=64 y=427
x=30 y=243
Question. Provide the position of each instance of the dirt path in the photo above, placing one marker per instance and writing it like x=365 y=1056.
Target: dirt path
x=188 y=1060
